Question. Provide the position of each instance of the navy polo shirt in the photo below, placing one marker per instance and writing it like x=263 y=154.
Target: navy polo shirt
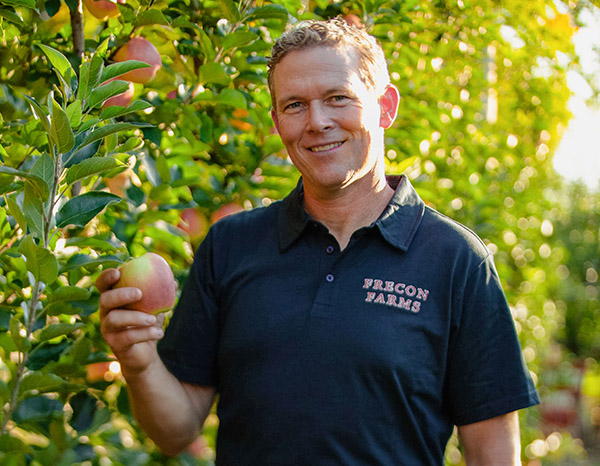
x=366 y=356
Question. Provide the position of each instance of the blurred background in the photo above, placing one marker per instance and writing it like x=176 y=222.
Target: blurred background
x=497 y=128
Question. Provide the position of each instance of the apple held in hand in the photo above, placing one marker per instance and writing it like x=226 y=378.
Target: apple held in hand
x=153 y=276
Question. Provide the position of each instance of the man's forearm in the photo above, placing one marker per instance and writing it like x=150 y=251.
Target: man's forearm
x=169 y=412
x=493 y=442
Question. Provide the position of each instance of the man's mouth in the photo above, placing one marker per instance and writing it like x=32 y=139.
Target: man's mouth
x=325 y=147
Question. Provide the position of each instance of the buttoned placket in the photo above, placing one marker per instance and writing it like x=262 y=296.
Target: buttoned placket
x=329 y=255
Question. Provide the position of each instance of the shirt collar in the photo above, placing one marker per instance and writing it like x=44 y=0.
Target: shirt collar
x=398 y=223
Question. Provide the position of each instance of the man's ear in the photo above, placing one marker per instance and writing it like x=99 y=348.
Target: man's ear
x=275 y=120
x=389 y=106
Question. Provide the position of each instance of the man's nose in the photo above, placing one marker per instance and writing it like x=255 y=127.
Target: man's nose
x=319 y=118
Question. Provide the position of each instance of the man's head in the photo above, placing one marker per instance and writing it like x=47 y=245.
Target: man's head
x=334 y=33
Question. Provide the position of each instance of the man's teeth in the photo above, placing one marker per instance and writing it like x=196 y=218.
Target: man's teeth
x=326 y=147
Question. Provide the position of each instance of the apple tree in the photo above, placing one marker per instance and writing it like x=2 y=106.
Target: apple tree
x=84 y=187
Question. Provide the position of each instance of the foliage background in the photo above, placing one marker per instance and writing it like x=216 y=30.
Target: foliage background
x=484 y=94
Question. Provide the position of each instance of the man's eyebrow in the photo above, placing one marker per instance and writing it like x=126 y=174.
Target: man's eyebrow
x=331 y=91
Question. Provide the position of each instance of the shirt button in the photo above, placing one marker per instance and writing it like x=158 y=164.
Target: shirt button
x=330 y=249
x=329 y=277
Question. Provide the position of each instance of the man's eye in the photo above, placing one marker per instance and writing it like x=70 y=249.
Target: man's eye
x=292 y=106
x=339 y=98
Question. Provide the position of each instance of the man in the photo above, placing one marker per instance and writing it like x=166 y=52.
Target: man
x=348 y=324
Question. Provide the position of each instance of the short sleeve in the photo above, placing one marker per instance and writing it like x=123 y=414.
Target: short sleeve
x=189 y=347
x=487 y=375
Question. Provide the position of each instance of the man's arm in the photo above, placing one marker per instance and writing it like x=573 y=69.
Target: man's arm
x=171 y=412
x=495 y=441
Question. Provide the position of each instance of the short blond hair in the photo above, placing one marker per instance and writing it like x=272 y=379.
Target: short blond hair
x=333 y=33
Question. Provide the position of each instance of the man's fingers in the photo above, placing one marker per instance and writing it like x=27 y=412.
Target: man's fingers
x=125 y=339
x=118 y=299
x=107 y=279
x=126 y=342
x=119 y=319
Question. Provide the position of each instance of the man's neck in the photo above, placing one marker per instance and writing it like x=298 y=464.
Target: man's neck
x=346 y=210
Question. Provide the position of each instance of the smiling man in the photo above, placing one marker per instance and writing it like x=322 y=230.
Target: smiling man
x=348 y=324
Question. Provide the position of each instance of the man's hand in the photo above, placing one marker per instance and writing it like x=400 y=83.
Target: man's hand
x=132 y=335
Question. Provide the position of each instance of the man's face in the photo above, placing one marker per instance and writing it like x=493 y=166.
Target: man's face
x=330 y=122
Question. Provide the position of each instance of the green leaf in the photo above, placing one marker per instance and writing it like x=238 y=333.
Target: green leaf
x=151 y=16
x=74 y=113
x=98 y=95
x=116 y=111
x=272 y=11
x=33 y=210
x=40 y=382
x=84 y=78
x=80 y=210
x=39 y=184
x=25 y=3
x=69 y=293
x=60 y=308
x=91 y=167
x=232 y=97
x=66 y=86
x=58 y=60
x=22 y=343
x=13 y=171
x=60 y=129
x=37 y=410
x=110 y=142
x=119 y=68
x=44 y=169
x=10 y=15
x=206 y=45
x=95 y=74
x=39 y=112
x=84 y=260
x=40 y=262
x=10 y=445
x=15 y=210
x=57 y=330
x=212 y=73
x=78 y=153
x=87 y=124
x=230 y=10
x=239 y=39
x=4 y=393
x=111 y=128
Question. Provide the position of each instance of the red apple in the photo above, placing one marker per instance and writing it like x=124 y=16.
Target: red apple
x=353 y=20
x=96 y=371
x=140 y=49
x=118 y=184
x=226 y=210
x=154 y=277
x=193 y=223
x=122 y=100
x=102 y=9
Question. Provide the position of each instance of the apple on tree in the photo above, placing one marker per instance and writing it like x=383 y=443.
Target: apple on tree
x=143 y=50
x=121 y=100
x=103 y=9
x=226 y=210
x=193 y=223
x=154 y=277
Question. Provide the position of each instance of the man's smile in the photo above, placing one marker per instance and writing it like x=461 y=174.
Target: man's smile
x=326 y=147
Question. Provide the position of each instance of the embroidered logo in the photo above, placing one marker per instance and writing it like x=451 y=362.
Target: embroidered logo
x=401 y=295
